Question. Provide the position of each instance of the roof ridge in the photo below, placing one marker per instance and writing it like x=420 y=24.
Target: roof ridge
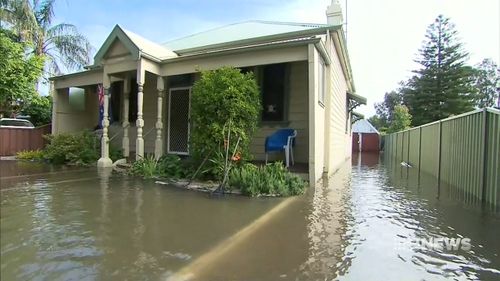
x=128 y=32
x=247 y=21
x=290 y=23
x=204 y=31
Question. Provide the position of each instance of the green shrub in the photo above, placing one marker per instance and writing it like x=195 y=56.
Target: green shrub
x=82 y=148
x=114 y=153
x=223 y=100
x=147 y=167
x=35 y=155
x=169 y=166
x=271 y=179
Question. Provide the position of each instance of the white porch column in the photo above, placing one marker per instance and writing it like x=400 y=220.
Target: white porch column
x=312 y=114
x=126 y=124
x=139 y=142
x=53 y=92
x=159 y=124
x=105 y=161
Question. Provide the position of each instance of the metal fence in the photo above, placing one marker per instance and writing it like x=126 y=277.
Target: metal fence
x=462 y=152
x=13 y=140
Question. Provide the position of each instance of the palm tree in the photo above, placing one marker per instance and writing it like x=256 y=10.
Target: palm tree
x=62 y=45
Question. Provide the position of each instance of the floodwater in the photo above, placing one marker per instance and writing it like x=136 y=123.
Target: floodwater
x=362 y=224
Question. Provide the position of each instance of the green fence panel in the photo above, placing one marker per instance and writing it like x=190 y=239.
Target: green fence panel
x=430 y=149
x=414 y=147
x=462 y=152
x=492 y=167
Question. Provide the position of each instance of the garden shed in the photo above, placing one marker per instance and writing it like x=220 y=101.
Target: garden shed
x=365 y=137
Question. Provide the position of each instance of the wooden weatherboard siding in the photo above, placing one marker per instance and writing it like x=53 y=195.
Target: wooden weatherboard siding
x=297 y=117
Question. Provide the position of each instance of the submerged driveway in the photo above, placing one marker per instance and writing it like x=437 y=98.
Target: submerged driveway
x=80 y=224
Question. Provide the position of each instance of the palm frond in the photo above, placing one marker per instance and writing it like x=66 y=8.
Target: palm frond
x=45 y=13
x=19 y=14
x=62 y=44
x=73 y=47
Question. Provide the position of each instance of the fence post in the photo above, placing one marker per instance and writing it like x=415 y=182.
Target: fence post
x=484 y=153
x=408 y=155
x=419 y=153
x=402 y=152
x=439 y=157
x=396 y=137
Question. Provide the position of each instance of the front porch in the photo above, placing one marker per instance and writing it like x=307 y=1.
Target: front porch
x=152 y=117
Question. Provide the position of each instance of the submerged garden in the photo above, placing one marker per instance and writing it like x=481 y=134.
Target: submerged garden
x=225 y=110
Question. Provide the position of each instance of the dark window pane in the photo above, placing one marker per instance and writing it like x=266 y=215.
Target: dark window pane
x=273 y=92
x=245 y=70
x=132 y=111
x=115 y=102
x=182 y=80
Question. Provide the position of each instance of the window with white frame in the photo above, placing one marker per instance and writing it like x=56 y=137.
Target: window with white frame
x=321 y=82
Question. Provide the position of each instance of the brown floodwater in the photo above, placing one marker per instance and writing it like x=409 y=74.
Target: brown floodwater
x=81 y=224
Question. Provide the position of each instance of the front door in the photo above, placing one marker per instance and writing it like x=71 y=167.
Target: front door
x=178 y=120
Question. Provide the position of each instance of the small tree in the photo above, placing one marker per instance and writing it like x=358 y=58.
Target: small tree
x=39 y=108
x=385 y=109
x=401 y=119
x=487 y=83
x=18 y=74
x=224 y=102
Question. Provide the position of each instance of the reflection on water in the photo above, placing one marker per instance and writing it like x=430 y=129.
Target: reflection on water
x=358 y=225
x=391 y=209
x=111 y=227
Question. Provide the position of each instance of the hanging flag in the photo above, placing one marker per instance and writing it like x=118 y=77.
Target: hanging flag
x=100 y=94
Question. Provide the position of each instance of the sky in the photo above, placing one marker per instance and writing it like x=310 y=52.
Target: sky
x=383 y=36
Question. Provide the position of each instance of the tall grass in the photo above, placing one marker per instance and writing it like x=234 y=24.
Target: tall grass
x=272 y=179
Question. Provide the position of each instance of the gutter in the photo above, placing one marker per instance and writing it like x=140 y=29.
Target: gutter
x=244 y=48
x=149 y=57
x=91 y=68
x=344 y=61
x=322 y=50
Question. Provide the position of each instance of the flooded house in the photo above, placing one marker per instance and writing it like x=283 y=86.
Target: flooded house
x=303 y=71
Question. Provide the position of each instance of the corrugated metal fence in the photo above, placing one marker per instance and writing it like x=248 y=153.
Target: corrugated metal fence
x=13 y=140
x=462 y=152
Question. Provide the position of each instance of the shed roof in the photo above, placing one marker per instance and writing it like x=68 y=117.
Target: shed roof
x=363 y=126
x=241 y=31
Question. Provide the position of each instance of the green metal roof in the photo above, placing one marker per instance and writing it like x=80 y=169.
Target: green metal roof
x=357 y=98
x=243 y=31
x=135 y=44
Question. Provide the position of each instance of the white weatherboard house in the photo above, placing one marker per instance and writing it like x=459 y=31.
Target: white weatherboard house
x=303 y=71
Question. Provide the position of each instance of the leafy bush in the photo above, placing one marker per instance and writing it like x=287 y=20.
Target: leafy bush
x=39 y=108
x=223 y=101
x=35 y=155
x=169 y=166
x=271 y=179
x=81 y=148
